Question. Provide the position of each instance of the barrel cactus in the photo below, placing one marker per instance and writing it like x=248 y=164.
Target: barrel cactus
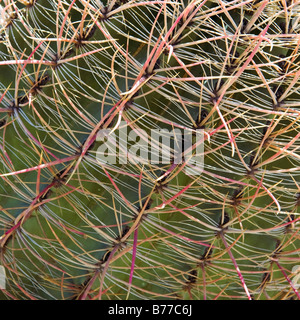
x=84 y=84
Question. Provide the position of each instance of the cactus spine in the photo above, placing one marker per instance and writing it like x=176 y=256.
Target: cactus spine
x=73 y=227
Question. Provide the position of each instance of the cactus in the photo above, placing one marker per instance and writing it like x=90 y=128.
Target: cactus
x=75 y=72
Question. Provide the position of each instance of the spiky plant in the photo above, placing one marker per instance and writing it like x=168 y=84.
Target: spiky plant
x=73 y=227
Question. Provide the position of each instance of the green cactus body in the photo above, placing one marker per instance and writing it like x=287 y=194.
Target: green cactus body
x=73 y=227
